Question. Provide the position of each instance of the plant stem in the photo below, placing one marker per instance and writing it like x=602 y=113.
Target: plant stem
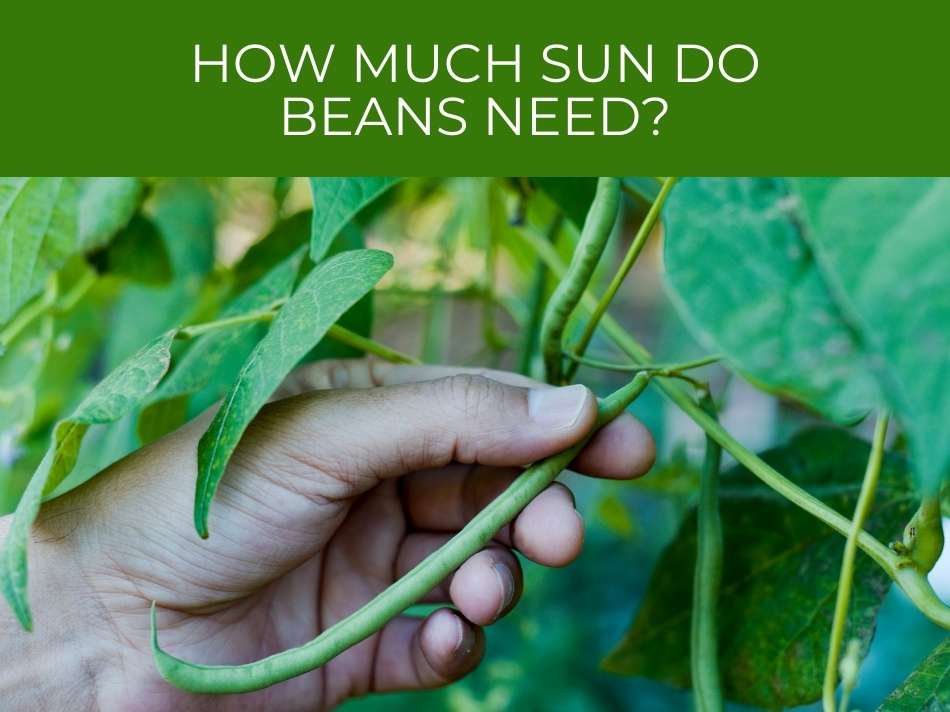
x=366 y=345
x=29 y=313
x=911 y=581
x=71 y=298
x=633 y=252
x=637 y=367
x=704 y=633
x=862 y=508
x=922 y=542
x=400 y=595
x=335 y=332
x=196 y=330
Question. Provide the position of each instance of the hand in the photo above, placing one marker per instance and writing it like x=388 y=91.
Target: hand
x=352 y=477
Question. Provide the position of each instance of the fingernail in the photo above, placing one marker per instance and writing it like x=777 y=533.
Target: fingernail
x=557 y=407
x=459 y=634
x=339 y=376
x=507 y=585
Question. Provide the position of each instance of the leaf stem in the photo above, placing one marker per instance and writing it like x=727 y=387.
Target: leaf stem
x=196 y=330
x=29 y=313
x=400 y=595
x=861 y=510
x=633 y=252
x=911 y=581
x=335 y=332
x=71 y=298
x=637 y=367
x=367 y=345
x=704 y=633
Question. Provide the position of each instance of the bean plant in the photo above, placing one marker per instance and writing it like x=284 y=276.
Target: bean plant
x=832 y=294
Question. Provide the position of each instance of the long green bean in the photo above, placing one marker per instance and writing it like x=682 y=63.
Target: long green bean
x=400 y=595
x=704 y=633
x=597 y=227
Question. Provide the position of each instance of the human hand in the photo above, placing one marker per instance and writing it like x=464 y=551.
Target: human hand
x=352 y=477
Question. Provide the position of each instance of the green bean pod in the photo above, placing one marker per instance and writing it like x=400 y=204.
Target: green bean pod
x=707 y=575
x=597 y=228
x=358 y=626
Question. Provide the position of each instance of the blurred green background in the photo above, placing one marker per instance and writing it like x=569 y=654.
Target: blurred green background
x=456 y=296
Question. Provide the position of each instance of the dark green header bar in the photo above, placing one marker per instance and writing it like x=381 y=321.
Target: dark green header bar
x=798 y=88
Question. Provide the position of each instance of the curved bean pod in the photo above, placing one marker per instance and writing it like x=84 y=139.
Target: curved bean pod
x=400 y=595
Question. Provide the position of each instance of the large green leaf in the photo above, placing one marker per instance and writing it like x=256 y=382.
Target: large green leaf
x=336 y=201
x=883 y=245
x=105 y=206
x=928 y=687
x=114 y=396
x=747 y=284
x=38 y=233
x=779 y=580
x=215 y=359
x=325 y=294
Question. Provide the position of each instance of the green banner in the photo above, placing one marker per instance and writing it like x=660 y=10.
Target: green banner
x=486 y=87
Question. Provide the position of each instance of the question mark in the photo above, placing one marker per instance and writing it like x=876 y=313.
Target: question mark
x=663 y=109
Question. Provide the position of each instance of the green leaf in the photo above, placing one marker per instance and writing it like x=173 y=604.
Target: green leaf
x=138 y=253
x=331 y=288
x=215 y=359
x=114 y=396
x=359 y=317
x=779 y=580
x=282 y=241
x=105 y=206
x=336 y=201
x=38 y=233
x=746 y=283
x=883 y=245
x=928 y=687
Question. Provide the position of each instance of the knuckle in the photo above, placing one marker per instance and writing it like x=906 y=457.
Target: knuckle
x=473 y=394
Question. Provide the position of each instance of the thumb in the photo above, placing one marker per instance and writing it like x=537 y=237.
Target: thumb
x=358 y=437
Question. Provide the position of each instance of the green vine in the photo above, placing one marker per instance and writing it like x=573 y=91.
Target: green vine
x=861 y=511
x=909 y=578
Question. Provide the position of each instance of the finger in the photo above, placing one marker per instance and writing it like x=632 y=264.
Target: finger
x=548 y=531
x=418 y=654
x=359 y=437
x=622 y=449
x=484 y=588
x=487 y=586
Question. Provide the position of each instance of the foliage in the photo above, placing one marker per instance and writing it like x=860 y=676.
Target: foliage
x=119 y=321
